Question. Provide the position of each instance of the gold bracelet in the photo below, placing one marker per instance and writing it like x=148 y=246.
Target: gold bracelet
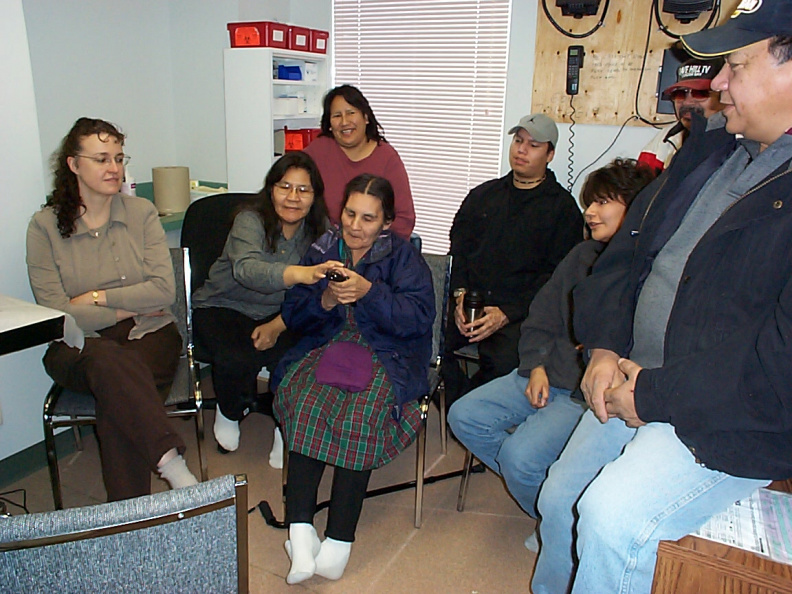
x=95 y=296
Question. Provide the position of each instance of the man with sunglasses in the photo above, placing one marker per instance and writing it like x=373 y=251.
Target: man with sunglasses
x=690 y=94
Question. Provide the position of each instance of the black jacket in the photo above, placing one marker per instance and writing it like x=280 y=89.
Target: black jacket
x=507 y=242
x=726 y=381
x=546 y=336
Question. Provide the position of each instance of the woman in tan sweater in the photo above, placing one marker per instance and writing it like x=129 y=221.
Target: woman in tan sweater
x=102 y=257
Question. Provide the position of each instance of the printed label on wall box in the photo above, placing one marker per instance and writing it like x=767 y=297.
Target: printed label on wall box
x=247 y=36
x=277 y=35
x=320 y=44
x=301 y=40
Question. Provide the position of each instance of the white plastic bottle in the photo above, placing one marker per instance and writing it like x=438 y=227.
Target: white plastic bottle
x=129 y=185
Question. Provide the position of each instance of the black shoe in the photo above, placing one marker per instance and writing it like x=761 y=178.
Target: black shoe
x=478 y=468
x=262 y=404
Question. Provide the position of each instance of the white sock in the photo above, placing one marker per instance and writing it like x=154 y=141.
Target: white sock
x=226 y=431
x=532 y=542
x=177 y=474
x=333 y=558
x=276 y=455
x=302 y=548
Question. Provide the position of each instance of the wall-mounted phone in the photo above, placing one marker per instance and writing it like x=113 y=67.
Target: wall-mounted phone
x=575 y=55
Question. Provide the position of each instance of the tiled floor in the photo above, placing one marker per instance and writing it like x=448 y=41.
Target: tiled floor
x=480 y=550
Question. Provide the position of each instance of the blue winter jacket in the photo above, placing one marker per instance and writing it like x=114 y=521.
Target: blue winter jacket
x=726 y=381
x=395 y=317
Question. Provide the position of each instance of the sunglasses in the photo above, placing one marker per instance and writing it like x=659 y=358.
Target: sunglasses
x=681 y=94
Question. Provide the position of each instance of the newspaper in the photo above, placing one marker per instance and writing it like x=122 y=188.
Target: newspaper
x=762 y=523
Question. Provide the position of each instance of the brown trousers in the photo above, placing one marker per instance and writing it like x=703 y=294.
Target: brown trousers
x=130 y=379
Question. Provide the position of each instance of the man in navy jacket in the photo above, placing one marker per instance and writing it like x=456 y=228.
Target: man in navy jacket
x=687 y=318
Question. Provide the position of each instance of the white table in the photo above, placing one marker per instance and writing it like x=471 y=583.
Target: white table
x=24 y=325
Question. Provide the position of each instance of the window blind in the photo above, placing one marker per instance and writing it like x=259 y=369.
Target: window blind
x=434 y=72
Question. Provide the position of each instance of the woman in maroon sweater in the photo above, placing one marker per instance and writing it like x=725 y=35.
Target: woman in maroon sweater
x=351 y=144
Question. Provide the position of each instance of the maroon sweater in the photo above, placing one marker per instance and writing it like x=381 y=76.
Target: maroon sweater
x=337 y=170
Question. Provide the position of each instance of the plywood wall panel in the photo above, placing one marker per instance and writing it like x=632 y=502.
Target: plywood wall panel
x=612 y=65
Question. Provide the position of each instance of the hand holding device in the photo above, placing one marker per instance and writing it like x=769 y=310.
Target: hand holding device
x=336 y=276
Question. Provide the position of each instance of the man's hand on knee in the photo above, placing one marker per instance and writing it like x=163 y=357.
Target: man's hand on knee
x=620 y=401
x=602 y=373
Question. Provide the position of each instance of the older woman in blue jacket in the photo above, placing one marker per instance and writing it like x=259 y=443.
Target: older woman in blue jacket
x=347 y=393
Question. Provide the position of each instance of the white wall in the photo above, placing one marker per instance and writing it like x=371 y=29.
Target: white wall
x=110 y=60
x=198 y=36
x=23 y=382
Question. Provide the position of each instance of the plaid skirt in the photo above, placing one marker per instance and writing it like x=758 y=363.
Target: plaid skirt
x=354 y=430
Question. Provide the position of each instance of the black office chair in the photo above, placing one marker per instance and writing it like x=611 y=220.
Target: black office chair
x=205 y=228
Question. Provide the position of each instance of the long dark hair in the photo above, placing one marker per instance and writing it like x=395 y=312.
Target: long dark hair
x=65 y=199
x=315 y=221
x=376 y=186
x=355 y=98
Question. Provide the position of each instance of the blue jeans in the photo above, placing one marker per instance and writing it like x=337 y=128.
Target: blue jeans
x=497 y=423
x=638 y=487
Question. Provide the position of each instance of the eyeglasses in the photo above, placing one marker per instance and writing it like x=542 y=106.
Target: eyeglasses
x=682 y=93
x=120 y=160
x=302 y=191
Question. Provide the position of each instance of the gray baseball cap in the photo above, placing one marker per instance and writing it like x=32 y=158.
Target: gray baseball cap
x=539 y=126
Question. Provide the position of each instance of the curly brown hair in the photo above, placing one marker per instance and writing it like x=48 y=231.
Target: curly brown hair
x=65 y=199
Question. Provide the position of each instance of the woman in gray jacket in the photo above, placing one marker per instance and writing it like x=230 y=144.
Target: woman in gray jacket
x=237 y=311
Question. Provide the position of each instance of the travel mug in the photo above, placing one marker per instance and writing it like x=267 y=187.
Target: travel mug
x=473 y=305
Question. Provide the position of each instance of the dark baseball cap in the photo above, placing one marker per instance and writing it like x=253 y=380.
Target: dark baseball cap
x=751 y=22
x=695 y=74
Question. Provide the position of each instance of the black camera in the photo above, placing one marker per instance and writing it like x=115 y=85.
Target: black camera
x=336 y=276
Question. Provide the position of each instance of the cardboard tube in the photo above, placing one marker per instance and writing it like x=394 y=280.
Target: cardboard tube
x=171 y=189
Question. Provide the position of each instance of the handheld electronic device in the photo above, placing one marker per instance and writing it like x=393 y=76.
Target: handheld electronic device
x=575 y=55
x=336 y=276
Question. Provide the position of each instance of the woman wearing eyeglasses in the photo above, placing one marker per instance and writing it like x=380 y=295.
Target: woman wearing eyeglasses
x=237 y=311
x=102 y=257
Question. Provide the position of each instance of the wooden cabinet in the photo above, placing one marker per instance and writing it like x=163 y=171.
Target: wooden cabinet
x=258 y=103
x=697 y=566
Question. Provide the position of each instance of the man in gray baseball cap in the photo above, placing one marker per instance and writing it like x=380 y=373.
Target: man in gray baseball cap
x=687 y=319
x=506 y=239
x=540 y=127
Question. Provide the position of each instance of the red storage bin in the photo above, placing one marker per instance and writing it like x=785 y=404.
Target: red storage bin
x=295 y=140
x=299 y=38
x=319 y=41
x=259 y=34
